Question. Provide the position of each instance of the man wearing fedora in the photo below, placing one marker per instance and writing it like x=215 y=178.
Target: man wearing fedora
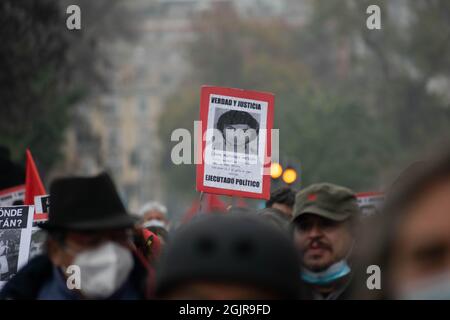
x=89 y=236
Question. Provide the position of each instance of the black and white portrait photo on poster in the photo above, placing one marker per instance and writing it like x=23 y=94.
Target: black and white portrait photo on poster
x=236 y=132
x=9 y=253
x=41 y=210
x=37 y=242
x=15 y=237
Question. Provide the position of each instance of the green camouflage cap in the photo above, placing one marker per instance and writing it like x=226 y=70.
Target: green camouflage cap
x=326 y=200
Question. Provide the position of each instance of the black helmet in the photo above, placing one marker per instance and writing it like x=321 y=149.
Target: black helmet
x=230 y=248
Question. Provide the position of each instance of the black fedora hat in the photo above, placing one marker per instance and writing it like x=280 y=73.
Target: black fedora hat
x=86 y=203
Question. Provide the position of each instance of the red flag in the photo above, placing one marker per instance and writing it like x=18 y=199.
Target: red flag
x=240 y=203
x=33 y=183
x=192 y=211
x=214 y=204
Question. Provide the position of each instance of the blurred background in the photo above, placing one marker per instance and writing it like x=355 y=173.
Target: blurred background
x=353 y=105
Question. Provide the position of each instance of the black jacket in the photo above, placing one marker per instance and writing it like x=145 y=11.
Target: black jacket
x=27 y=283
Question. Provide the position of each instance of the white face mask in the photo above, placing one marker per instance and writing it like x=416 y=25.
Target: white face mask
x=155 y=223
x=103 y=270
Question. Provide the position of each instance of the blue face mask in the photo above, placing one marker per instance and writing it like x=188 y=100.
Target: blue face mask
x=332 y=273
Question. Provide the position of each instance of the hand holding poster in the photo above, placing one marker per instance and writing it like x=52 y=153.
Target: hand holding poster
x=236 y=142
x=15 y=235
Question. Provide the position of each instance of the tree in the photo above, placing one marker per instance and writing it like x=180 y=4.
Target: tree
x=46 y=68
x=391 y=71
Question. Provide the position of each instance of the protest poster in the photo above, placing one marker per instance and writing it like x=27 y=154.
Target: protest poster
x=15 y=236
x=12 y=196
x=235 y=146
x=41 y=207
x=370 y=202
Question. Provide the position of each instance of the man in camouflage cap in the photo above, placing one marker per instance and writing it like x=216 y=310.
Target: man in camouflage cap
x=324 y=223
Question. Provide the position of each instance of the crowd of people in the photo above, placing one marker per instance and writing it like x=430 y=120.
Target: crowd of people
x=309 y=244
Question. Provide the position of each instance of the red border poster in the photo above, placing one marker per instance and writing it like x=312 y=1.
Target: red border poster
x=370 y=202
x=41 y=207
x=235 y=149
x=10 y=195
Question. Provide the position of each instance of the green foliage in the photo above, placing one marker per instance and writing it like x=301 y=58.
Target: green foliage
x=350 y=102
x=46 y=69
x=32 y=58
x=334 y=140
x=180 y=112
